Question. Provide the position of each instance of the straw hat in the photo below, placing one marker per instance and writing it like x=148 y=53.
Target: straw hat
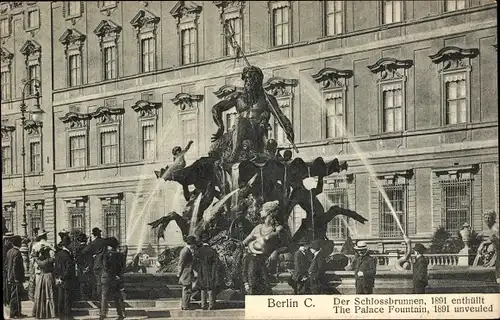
x=361 y=245
x=40 y=235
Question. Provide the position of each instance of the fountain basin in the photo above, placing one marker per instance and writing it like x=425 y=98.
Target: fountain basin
x=441 y=280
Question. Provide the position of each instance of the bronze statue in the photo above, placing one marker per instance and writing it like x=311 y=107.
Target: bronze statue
x=254 y=107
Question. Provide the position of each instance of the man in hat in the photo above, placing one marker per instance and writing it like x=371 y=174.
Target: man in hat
x=64 y=273
x=302 y=259
x=96 y=249
x=365 y=268
x=420 y=280
x=61 y=235
x=261 y=242
x=113 y=266
x=7 y=245
x=317 y=268
x=82 y=267
x=206 y=265
x=15 y=277
x=185 y=271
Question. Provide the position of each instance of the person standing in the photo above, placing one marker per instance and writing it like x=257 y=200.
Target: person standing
x=365 y=268
x=95 y=250
x=40 y=241
x=82 y=268
x=65 y=278
x=185 y=271
x=44 y=305
x=302 y=259
x=206 y=258
x=15 y=277
x=420 y=280
x=7 y=245
x=317 y=268
x=113 y=266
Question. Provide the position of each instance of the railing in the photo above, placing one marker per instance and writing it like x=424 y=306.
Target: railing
x=435 y=259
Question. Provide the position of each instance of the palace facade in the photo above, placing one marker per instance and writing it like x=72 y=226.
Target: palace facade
x=404 y=91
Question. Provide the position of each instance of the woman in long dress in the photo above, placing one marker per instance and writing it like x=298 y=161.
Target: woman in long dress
x=44 y=304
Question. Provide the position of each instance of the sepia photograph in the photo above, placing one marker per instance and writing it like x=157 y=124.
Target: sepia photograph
x=250 y=159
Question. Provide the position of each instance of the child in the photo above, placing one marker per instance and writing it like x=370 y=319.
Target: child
x=179 y=162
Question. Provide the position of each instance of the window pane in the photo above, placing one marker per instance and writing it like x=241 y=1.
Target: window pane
x=452 y=90
x=452 y=112
x=388 y=12
x=74 y=8
x=462 y=111
x=389 y=120
x=461 y=89
x=396 y=11
x=460 y=4
x=398 y=119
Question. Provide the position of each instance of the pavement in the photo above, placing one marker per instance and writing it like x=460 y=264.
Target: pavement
x=144 y=309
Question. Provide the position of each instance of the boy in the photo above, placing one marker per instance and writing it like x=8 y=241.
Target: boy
x=179 y=162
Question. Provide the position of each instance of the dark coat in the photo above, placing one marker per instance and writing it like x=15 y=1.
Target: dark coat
x=64 y=266
x=113 y=264
x=185 y=267
x=317 y=268
x=95 y=249
x=420 y=272
x=206 y=265
x=302 y=261
x=368 y=265
x=15 y=266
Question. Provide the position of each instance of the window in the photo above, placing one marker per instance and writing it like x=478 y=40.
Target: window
x=35 y=156
x=391 y=11
x=280 y=26
x=74 y=8
x=334 y=19
x=388 y=225
x=77 y=151
x=452 y=5
x=456 y=99
x=33 y=73
x=5 y=27
x=111 y=213
x=188 y=38
x=108 y=3
x=295 y=219
x=32 y=17
x=75 y=74
x=8 y=215
x=35 y=216
x=457 y=203
x=147 y=54
x=189 y=129
x=5 y=85
x=393 y=106
x=334 y=116
x=109 y=147
x=77 y=217
x=110 y=63
x=6 y=160
x=235 y=24
x=336 y=196
x=148 y=141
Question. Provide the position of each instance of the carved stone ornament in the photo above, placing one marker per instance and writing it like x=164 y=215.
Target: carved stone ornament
x=454 y=57
x=30 y=47
x=15 y=4
x=185 y=9
x=144 y=19
x=448 y=173
x=75 y=120
x=332 y=78
x=186 y=101
x=71 y=36
x=390 y=67
x=33 y=127
x=106 y=115
x=107 y=29
x=6 y=130
x=229 y=7
x=144 y=3
x=4 y=7
x=396 y=176
x=146 y=108
x=107 y=10
x=6 y=56
x=226 y=90
x=278 y=86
